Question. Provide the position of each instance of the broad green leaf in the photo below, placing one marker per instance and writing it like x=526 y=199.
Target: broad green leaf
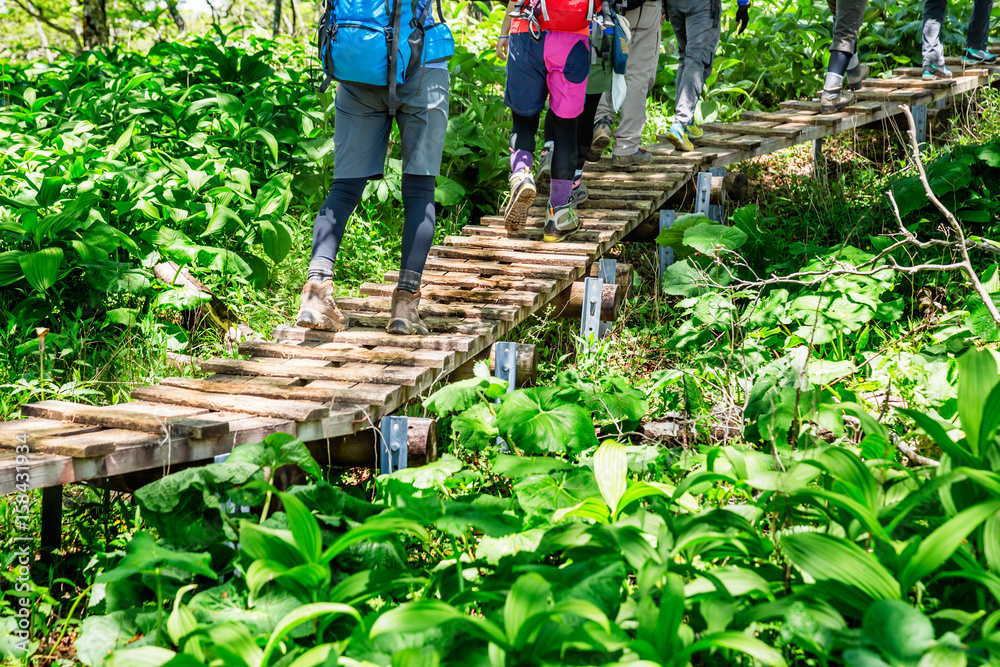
x=448 y=192
x=302 y=615
x=10 y=267
x=991 y=542
x=221 y=218
x=455 y=397
x=977 y=375
x=181 y=298
x=376 y=528
x=937 y=548
x=541 y=420
x=268 y=140
x=41 y=268
x=423 y=656
x=430 y=614
x=517 y=467
x=276 y=238
x=710 y=239
x=611 y=470
x=146 y=656
x=528 y=597
x=304 y=527
x=735 y=641
x=828 y=558
x=899 y=630
x=317 y=656
x=181 y=621
x=591 y=508
x=956 y=450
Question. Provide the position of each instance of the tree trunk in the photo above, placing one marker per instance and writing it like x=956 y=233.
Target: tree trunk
x=295 y=16
x=95 y=24
x=176 y=15
x=277 y=18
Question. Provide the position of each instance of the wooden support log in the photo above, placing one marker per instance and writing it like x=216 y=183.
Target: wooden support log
x=569 y=302
x=527 y=364
x=358 y=449
x=623 y=277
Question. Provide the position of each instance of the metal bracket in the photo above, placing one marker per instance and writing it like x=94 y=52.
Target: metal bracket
x=665 y=254
x=590 y=321
x=717 y=212
x=505 y=358
x=920 y=121
x=703 y=194
x=392 y=449
x=607 y=271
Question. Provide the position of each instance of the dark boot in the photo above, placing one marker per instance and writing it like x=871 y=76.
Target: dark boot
x=318 y=310
x=835 y=100
x=404 y=319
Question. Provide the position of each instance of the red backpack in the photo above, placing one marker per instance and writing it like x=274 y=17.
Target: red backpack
x=557 y=15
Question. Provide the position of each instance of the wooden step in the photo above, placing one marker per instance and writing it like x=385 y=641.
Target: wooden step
x=344 y=353
x=444 y=295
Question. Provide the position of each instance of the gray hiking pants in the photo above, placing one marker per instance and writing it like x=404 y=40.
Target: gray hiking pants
x=975 y=38
x=643 y=55
x=696 y=25
x=848 y=15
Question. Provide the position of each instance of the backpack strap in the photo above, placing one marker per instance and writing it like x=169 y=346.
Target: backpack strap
x=394 y=102
x=440 y=13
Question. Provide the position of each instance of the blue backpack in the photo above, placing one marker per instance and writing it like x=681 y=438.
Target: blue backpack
x=381 y=43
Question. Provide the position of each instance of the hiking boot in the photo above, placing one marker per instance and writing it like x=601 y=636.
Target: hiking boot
x=403 y=317
x=678 y=136
x=522 y=196
x=978 y=57
x=932 y=72
x=636 y=159
x=856 y=76
x=545 y=167
x=835 y=100
x=693 y=131
x=601 y=140
x=318 y=309
x=561 y=223
x=578 y=195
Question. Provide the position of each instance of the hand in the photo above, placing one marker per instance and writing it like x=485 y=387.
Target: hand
x=503 y=47
x=742 y=17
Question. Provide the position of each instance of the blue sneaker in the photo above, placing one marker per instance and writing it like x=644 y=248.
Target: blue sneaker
x=678 y=136
x=978 y=57
x=932 y=72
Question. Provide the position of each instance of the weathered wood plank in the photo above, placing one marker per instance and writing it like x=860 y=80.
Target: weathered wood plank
x=492 y=269
x=434 y=324
x=32 y=429
x=373 y=337
x=343 y=353
x=444 y=295
x=520 y=245
x=407 y=376
x=264 y=407
x=511 y=256
x=428 y=308
x=130 y=420
x=496 y=282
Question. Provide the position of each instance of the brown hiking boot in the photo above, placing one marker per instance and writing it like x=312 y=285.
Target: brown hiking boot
x=318 y=310
x=601 y=140
x=831 y=101
x=404 y=319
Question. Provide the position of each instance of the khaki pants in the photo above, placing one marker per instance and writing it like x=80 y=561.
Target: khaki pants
x=848 y=15
x=643 y=56
x=696 y=25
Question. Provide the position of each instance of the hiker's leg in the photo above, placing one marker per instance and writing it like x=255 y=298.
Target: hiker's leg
x=584 y=128
x=677 y=13
x=360 y=138
x=931 y=47
x=567 y=63
x=702 y=33
x=522 y=141
x=643 y=56
x=423 y=123
x=524 y=94
x=849 y=16
x=979 y=25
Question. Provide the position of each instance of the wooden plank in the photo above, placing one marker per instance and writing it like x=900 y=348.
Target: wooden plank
x=584 y=235
x=30 y=430
x=756 y=128
x=407 y=376
x=129 y=420
x=597 y=200
x=382 y=305
x=96 y=443
x=435 y=324
x=493 y=269
x=901 y=83
x=444 y=295
x=343 y=353
x=318 y=391
x=466 y=281
x=518 y=245
x=264 y=407
x=373 y=337
x=511 y=256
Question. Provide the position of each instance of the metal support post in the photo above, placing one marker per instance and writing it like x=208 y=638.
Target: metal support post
x=392 y=444
x=51 y=537
x=665 y=254
x=505 y=355
x=607 y=271
x=920 y=121
x=590 y=321
x=717 y=212
x=703 y=194
x=817 y=157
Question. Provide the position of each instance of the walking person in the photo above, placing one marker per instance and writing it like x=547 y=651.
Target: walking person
x=547 y=49
x=976 y=38
x=361 y=138
x=844 y=66
x=697 y=26
x=645 y=20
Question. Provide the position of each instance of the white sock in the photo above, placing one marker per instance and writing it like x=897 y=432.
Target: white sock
x=833 y=81
x=549 y=145
x=854 y=62
x=578 y=174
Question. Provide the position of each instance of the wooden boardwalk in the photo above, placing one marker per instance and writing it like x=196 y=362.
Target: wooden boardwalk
x=477 y=287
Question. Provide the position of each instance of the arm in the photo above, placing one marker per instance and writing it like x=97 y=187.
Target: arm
x=503 y=41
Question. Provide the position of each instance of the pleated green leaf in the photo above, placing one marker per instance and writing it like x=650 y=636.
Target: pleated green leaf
x=41 y=268
x=827 y=558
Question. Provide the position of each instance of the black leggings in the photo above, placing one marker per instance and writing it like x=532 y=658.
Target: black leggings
x=584 y=128
x=564 y=154
x=418 y=227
